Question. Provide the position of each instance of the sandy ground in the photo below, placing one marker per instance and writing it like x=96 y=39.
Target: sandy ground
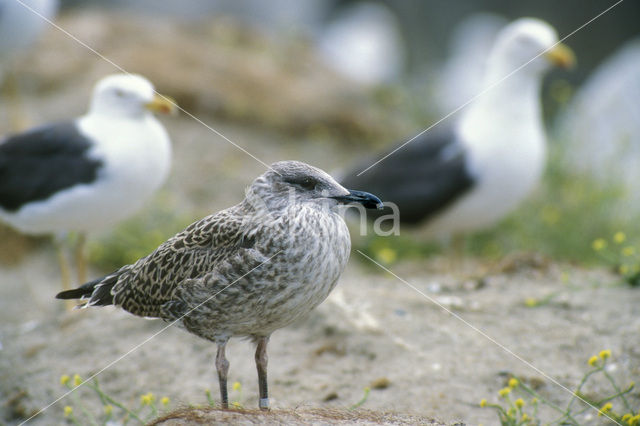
x=431 y=342
x=373 y=326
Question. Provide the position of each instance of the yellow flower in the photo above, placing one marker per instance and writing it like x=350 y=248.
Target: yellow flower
x=64 y=379
x=519 y=402
x=619 y=237
x=633 y=421
x=599 y=244
x=108 y=409
x=483 y=402
x=605 y=408
x=605 y=354
x=68 y=410
x=628 y=251
x=531 y=302
x=623 y=269
x=236 y=386
x=387 y=255
x=236 y=404
x=504 y=392
x=513 y=382
x=147 y=399
x=626 y=417
x=511 y=412
x=165 y=400
x=525 y=417
x=534 y=401
x=77 y=380
x=593 y=361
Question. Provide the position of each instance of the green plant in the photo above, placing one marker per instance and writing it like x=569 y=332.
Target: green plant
x=112 y=410
x=364 y=398
x=513 y=412
x=621 y=255
x=235 y=388
x=389 y=249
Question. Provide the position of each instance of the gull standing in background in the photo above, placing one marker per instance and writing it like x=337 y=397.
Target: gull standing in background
x=470 y=175
x=245 y=271
x=21 y=23
x=88 y=173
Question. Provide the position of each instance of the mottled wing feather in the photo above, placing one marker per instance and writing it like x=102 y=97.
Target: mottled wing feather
x=422 y=178
x=218 y=292
x=144 y=287
x=36 y=164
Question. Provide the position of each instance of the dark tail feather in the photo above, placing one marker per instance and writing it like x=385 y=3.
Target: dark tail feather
x=76 y=293
x=98 y=291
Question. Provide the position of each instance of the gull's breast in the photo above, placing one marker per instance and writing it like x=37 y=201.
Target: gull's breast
x=314 y=254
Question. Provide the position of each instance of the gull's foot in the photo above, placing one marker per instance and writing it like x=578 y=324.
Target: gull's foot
x=264 y=404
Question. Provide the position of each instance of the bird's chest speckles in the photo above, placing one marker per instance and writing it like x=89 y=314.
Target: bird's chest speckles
x=314 y=252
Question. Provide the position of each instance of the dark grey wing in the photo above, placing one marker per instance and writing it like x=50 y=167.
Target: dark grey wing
x=422 y=178
x=144 y=287
x=36 y=164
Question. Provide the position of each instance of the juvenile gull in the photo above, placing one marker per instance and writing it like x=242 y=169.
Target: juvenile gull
x=469 y=176
x=245 y=271
x=91 y=172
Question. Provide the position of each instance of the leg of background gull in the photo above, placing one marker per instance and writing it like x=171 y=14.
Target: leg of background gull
x=81 y=258
x=63 y=262
x=261 y=364
x=458 y=245
x=17 y=118
x=222 y=365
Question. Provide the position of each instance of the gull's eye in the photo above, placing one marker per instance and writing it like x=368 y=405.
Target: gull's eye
x=120 y=93
x=306 y=182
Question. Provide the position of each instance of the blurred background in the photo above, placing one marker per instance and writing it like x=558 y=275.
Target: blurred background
x=324 y=81
x=328 y=82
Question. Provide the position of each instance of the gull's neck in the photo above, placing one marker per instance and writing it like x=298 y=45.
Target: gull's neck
x=513 y=99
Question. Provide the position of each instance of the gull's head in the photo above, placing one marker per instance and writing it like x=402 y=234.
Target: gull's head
x=296 y=182
x=128 y=95
x=525 y=39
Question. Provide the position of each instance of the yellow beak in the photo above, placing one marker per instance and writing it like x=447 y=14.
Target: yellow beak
x=163 y=105
x=562 y=56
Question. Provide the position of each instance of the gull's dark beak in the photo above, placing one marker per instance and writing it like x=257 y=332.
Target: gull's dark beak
x=369 y=201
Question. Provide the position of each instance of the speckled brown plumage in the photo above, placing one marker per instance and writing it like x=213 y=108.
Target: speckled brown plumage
x=245 y=271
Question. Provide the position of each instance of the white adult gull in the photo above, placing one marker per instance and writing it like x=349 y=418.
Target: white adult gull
x=601 y=125
x=364 y=42
x=88 y=173
x=469 y=175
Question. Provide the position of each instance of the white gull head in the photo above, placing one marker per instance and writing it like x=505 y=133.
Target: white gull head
x=128 y=95
x=528 y=41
